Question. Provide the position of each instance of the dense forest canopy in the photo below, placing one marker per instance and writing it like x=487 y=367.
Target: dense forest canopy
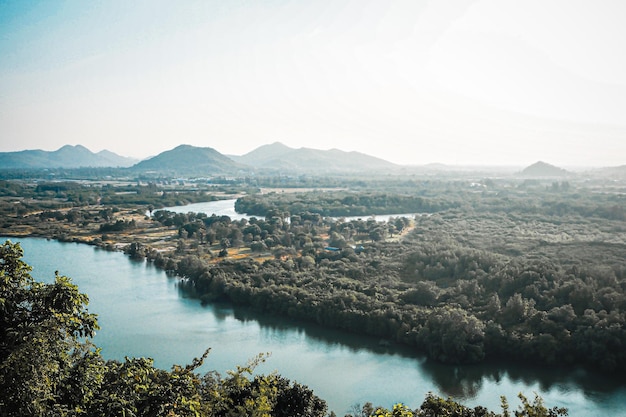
x=457 y=296
x=341 y=204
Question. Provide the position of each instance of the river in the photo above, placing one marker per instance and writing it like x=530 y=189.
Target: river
x=227 y=208
x=219 y=208
x=142 y=312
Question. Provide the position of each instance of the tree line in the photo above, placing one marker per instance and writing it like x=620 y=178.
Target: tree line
x=340 y=203
x=22 y=198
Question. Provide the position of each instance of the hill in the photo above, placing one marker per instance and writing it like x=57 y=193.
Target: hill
x=189 y=160
x=281 y=157
x=263 y=154
x=544 y=170
x=115 y=160
x=66 y=157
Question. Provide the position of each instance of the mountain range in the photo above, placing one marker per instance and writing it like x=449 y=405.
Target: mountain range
x=66 y=157
x=279 y=157
x=192 y=160
x=187 y=160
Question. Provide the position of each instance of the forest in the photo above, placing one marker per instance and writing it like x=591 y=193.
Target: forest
x=460 y=287
x=25 y=197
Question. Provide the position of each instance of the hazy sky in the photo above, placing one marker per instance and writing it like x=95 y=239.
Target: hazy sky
x=459 y=82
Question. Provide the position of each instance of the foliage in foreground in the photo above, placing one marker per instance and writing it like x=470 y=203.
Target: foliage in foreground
x=48 y=367
x=434 y=406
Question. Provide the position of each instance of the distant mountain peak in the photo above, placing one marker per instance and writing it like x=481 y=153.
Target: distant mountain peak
x=189 y=160
x=544 y=169
x=76 y=149
x=272 y=148
x=184 y=146
x=278 y=144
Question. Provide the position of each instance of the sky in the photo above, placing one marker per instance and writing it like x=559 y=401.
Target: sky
x=484 y=82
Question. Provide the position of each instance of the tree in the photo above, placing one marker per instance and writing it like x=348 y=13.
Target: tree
x=240 y=395
x=336 y=240
x=136 y=388
x=437 y=406
x=44 y=337
x=377 y=234
x=452 y=335
x=536 y=408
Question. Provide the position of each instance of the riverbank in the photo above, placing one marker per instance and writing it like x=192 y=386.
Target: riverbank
x=83 y=225
x=86 y=230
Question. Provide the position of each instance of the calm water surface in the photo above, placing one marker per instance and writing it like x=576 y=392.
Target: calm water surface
x=219 y=208
x=227 y=208
x=143 y=313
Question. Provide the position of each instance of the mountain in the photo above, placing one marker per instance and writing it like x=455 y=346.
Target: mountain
x=262 y=154
x=281 y=157
x=542 y=170
x=189 y=160
x=66 y=157
x=116 y=160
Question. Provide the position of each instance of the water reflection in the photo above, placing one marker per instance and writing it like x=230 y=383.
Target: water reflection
x=271 y=324
x=454 y=381
x=461 y=382
x=465 y=381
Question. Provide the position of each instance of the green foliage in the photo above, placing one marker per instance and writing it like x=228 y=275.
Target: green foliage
x=457 y=298
x=23 y=198
x=118 y=226
x=136 y=387
x=398 y=410
x=534 y=409
x=44 y=332
x=340 y=203
x=241 y=393
x=453 y=336
x=435 y=406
